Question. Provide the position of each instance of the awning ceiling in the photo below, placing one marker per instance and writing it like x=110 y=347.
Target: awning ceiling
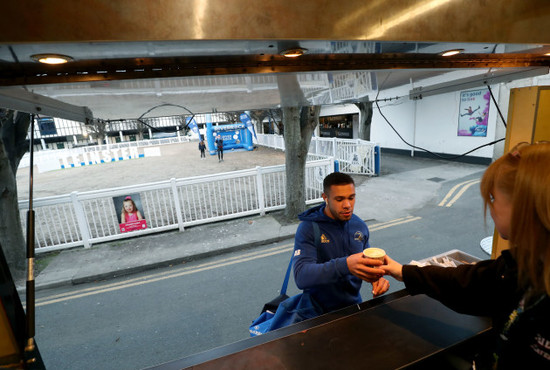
x=129 y=56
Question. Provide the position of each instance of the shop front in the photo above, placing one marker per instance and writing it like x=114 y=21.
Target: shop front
x=340 y=126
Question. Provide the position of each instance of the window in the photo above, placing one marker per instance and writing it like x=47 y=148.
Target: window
x=337 y=126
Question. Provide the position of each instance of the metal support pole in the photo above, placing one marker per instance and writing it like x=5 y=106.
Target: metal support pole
x=30 y=296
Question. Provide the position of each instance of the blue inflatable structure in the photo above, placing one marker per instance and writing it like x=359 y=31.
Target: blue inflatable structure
x=235 y=136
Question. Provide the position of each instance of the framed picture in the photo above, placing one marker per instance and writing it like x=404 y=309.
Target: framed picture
x=130 y=213
x=473 y=115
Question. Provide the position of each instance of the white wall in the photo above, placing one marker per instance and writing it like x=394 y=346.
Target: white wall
x=432 y=122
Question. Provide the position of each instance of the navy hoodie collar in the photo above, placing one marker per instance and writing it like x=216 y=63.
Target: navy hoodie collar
x=317 y=214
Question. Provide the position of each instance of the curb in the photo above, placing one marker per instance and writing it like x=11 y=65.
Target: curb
x=151 y=266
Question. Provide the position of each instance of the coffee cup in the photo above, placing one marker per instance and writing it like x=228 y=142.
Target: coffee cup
x=374 y=253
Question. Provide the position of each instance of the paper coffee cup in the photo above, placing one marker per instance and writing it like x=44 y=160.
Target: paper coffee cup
x=374 y=253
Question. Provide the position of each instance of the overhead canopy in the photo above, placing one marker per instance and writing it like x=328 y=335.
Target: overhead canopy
x=129 y=56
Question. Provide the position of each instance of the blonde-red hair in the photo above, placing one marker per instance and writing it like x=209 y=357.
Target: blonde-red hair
x=524 y=175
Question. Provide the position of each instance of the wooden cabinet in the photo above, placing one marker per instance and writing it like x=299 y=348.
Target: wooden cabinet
x=529 y=121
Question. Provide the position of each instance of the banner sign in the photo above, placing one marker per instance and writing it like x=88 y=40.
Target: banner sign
x=79 y=157
x=192 y=124
x=46 y=126
x=474 y=113
x=246 y=120
x=131 y=216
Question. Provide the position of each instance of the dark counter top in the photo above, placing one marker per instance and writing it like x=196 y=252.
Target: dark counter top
x=390 y=332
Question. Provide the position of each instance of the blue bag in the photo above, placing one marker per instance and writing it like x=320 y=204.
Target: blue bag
x=289 y=310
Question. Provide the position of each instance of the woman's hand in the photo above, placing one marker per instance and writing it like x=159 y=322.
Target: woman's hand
x=392 y=268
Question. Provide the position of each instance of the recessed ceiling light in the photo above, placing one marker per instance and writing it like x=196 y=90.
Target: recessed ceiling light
x=448 y=53
x=293 y=53
x=51 y=58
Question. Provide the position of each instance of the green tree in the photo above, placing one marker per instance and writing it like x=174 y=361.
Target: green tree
x=98 y=129
x=258 y=117
x=140 y=129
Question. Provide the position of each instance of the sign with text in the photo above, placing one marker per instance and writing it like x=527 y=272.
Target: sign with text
x=46 y=126
x=133 y=225
x=130 y=212
x=473 y=115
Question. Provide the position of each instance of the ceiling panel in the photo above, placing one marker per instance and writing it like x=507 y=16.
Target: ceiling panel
x=129 y=56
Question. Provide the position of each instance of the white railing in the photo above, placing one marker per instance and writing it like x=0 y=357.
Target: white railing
x=84 y=218
x=353 y=155
x=271 y=141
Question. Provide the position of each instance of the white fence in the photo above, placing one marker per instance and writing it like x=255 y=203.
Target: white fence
x=353 y=156
x=84 y=218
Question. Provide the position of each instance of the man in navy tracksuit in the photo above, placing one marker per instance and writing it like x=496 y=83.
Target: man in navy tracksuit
x=333 y=271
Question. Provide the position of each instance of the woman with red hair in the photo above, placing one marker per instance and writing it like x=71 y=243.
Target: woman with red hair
x=513 y=289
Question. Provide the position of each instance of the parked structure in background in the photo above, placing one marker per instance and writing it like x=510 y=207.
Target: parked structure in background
x=57 y=133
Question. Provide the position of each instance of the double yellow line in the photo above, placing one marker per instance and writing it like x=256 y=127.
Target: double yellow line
x=398 y=221
x=162 y=276
x=463 y=187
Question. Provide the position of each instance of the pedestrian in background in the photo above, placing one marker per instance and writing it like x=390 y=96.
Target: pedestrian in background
x=202 y=148
x=219 y=145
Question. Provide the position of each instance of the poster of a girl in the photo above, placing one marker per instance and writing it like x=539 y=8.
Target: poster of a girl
x=129 y=211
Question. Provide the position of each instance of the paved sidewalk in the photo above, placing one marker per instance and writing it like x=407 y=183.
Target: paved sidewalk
x=107 y=260
x=406 y=184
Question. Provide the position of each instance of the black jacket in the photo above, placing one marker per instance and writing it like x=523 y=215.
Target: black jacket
x=490 y=288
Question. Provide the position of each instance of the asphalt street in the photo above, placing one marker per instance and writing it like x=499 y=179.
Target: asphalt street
x=141 y=302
